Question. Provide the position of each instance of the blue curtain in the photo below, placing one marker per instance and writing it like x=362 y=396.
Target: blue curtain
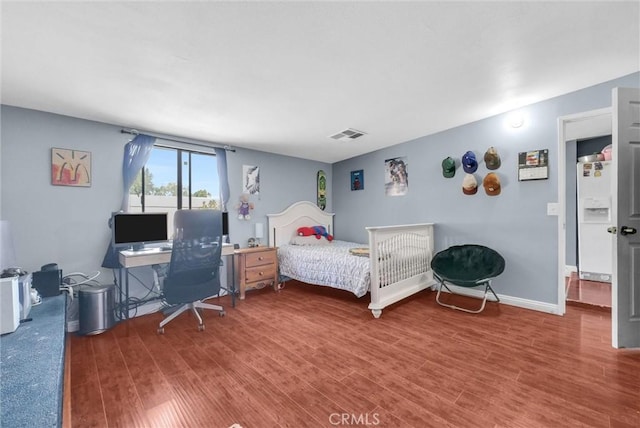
x=136 y=154
x=221 y=157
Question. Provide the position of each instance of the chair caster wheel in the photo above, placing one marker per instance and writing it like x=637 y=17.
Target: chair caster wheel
x=161 y=330
x=222 y=313
x=201 y=327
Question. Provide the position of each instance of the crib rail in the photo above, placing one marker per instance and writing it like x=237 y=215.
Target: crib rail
x=400 y=263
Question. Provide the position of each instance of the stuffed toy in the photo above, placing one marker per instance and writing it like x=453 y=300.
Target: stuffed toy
x=316 y=231
x=244 y=207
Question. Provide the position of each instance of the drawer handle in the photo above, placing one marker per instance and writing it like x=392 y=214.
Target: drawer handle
x=260 y=258
x=261 y=273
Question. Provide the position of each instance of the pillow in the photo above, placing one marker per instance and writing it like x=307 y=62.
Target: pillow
x=309 y=240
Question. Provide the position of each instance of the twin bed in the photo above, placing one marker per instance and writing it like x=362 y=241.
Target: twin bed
x=396 y=264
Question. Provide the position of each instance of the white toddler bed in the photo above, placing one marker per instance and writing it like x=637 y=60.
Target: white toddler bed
x=398 y=266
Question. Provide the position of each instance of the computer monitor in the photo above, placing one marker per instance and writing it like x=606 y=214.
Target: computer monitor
x=137 y=229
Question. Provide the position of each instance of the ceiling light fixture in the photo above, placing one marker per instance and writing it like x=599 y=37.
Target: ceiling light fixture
x=515 y=119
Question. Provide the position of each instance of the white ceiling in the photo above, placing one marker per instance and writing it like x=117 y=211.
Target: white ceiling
x=284 y=76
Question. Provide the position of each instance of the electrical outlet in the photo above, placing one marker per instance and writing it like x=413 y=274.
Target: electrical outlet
x=553 y=208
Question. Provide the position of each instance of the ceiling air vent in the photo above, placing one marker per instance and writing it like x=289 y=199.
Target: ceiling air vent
x=348 y=134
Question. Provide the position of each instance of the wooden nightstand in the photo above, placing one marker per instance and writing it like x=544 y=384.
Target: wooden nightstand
x=256 y=268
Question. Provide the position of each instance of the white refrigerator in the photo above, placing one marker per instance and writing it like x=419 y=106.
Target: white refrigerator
x=595 y=244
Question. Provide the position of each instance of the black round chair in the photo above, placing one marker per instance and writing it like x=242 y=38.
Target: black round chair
x=467 y=265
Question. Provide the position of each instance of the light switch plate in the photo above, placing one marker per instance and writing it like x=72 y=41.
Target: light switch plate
x=553 y=208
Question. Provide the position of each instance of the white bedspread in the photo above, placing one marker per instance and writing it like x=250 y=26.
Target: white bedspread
x=329 y=265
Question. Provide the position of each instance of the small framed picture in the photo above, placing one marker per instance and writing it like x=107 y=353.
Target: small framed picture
x=533 y=165
x=70 y=167
x=357 y=180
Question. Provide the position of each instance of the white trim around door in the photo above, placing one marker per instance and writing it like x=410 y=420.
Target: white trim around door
x=590 y=124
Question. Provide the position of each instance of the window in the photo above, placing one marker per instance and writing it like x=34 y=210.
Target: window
x=173 y=179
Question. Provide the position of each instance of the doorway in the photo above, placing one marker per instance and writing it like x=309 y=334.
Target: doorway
x=580 y=126
x=588 y=267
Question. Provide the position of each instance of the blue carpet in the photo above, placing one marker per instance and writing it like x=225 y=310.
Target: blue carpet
x=32 y=368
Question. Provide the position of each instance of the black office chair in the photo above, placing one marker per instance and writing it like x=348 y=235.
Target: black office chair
x=467 y=266
x=194 y=270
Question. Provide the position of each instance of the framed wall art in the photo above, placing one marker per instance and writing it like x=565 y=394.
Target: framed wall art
x=70 y=167
x=357 y=180
x=396 y=173
x=251 y=179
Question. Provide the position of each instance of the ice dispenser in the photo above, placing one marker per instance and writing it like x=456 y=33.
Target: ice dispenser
x=596 y=210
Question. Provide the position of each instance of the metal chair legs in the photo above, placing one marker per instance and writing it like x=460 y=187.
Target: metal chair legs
x=194 y=306
x=487 y=288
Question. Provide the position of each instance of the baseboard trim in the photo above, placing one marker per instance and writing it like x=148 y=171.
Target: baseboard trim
x=147 y=308
x=73 y=326
x=568 y=270
x=534 y=305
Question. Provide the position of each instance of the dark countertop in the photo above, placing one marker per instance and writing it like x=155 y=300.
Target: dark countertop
x=32 y=368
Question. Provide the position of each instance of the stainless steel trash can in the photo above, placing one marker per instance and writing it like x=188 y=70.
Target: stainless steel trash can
x=96 y=307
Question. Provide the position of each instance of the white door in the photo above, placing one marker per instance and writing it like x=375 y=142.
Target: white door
x=625 y=304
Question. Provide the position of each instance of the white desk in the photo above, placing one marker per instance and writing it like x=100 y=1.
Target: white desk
x=155 y=256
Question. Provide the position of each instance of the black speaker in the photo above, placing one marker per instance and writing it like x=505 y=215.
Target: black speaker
x=47 y=282
x=225 y=223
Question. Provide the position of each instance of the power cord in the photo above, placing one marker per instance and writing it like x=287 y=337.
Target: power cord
x=69 y=278
x=133 y=303
x=150 y=290
x=70 y=281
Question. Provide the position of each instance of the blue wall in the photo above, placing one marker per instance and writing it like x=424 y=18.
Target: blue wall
x=515 y=223
x=68 y=225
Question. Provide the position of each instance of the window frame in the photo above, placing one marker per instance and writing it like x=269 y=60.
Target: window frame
x=180 y=150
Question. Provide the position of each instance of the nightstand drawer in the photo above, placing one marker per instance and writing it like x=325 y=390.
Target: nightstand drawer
x=260 y=259
x=259 y=273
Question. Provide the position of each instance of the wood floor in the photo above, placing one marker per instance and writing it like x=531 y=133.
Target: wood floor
x=584 y=292
x=313 y=357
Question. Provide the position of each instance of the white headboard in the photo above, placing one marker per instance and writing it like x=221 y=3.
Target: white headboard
x=283 y=225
